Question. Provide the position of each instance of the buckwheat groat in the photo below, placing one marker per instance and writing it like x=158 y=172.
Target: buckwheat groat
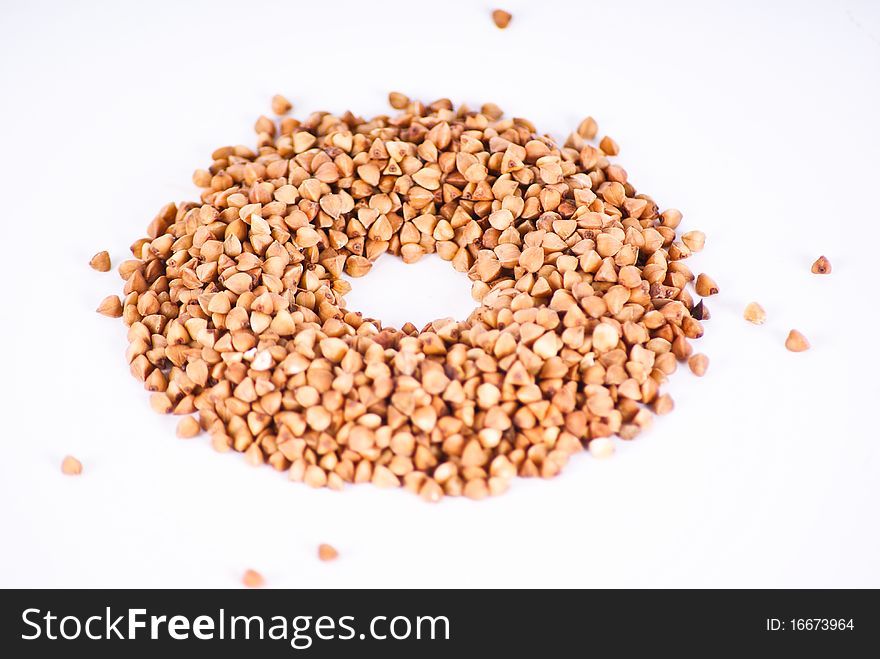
x=236 y=302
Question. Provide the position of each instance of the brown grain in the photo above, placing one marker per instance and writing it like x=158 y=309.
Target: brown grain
x=188 y=428
x=110 y=306
x=698 y=363
x=796 y=342
x=821 y=266
x=70 y=466
x=754 y=313
x=327 y=552
x=237 y=321
x=100 y=262
x=281 y=105
x=705 y=285
x=501 y=18
x=253 y=579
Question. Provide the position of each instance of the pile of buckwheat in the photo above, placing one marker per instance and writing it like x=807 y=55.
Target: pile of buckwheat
x=236 y=311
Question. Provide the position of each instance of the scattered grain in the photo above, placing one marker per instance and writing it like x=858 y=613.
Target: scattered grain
x=253 y=579
x=100 y=262
x=821 y=266
x=796 y=342
x=698 y=363
x=754 y=313
x=327 y=552
x=588 y=128
x=501 y=18
x=70 y=466
x=397 y=100
x=111 y=306
x=281 y=105
x=705 y=285
x=609 y=147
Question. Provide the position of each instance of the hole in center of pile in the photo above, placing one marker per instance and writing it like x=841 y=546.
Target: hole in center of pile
x=397 y=293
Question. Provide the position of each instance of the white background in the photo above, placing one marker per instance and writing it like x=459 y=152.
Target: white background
x=757 y=119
